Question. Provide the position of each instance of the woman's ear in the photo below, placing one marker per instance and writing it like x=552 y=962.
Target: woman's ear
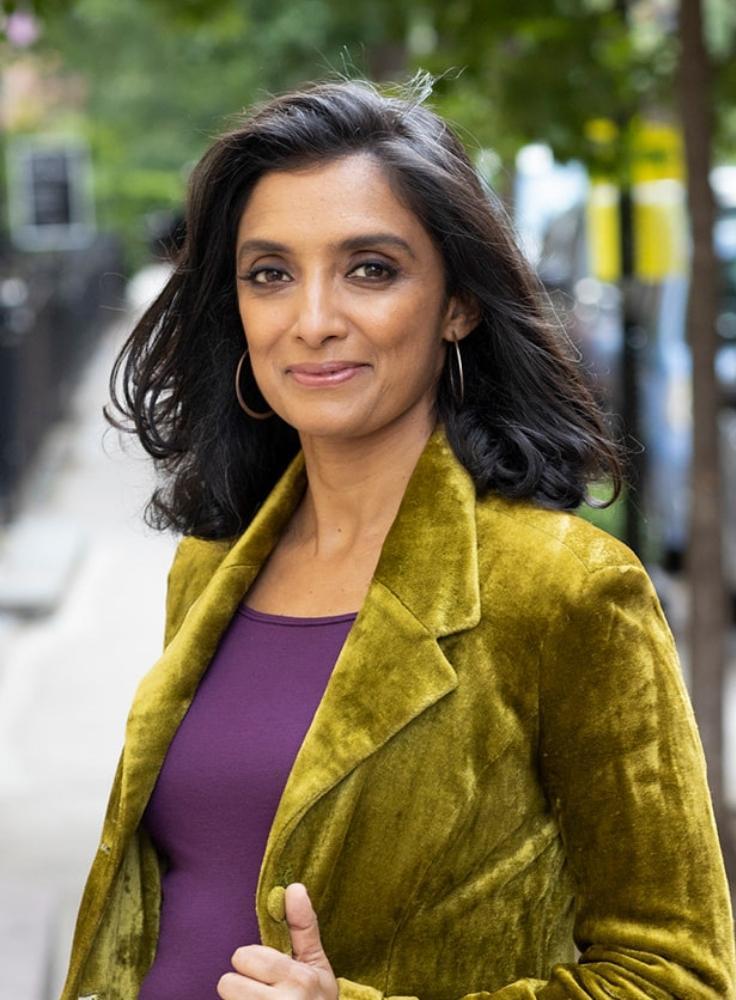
x=463 y=315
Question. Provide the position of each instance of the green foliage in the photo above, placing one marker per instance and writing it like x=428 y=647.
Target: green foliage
x=547 y=71
x=164 y=79
x=165 y=75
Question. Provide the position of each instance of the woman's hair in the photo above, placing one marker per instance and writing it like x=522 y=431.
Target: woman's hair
x=528 y=426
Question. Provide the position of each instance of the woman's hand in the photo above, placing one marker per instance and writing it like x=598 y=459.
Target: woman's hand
x=263 y=973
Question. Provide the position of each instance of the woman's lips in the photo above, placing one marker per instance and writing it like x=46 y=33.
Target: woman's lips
x=327 y=378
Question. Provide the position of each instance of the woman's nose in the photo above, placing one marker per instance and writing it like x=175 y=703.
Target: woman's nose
x=319 y=313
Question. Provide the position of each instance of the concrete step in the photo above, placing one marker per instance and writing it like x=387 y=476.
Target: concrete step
x=38 y=555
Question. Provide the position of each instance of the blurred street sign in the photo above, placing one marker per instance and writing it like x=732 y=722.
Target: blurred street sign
x=657 y=152
x=658 y=205
x=660 y=230
x=603 y=227
x=50 y=204
x=658 y=196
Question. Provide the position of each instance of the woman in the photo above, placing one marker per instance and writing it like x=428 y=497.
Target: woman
x=418 y=729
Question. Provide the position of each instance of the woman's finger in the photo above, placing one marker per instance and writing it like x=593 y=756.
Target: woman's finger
x=264 y=964
x=233 y=986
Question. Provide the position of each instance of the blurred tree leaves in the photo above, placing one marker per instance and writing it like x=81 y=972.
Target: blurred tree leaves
x=165 y=75
x=549 y=68
x=164 y=78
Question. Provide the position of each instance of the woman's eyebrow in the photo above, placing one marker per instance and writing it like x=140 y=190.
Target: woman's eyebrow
x=351 y=243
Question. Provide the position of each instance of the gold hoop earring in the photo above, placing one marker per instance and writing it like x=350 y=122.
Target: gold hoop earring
x=243 y=404
x=460 y=369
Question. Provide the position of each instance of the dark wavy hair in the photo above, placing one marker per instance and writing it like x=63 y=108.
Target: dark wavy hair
x=529 y=425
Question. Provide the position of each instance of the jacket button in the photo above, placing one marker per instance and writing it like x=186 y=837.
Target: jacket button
x=275 y=903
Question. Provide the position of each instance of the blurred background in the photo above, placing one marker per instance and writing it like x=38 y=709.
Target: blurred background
x=607 y=128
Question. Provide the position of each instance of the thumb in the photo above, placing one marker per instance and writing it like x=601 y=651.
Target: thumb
x=301 y=919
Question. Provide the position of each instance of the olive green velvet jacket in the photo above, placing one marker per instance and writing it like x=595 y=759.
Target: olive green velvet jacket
x=502 y=793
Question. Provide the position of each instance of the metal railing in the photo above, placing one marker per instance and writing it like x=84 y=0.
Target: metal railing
x=53 y=306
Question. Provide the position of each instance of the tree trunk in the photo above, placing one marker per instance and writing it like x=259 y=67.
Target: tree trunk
x=708 y=606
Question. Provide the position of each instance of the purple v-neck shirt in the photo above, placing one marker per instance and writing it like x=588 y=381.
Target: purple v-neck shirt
x=216 y=795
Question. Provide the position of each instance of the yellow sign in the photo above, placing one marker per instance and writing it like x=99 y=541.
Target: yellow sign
x=660 y=230
x=658 y=205
x=603 y=231
x=656 y=152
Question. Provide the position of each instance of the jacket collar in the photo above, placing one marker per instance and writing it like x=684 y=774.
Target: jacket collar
x=390 y=669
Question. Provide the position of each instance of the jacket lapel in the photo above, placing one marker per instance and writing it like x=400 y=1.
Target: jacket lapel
x=390 y=668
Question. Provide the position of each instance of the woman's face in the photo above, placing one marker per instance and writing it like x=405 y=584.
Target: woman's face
x=331 y=267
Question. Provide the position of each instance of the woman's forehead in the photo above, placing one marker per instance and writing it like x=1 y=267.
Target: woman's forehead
x=328 y=203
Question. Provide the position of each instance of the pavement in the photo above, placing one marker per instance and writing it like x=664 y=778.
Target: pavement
x=83 y=581
x=82 y=585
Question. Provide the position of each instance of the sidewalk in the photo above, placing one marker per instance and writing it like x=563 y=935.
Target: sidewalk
x=67 y=678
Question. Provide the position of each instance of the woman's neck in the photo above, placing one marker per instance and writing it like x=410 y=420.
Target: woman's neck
x=354 y=488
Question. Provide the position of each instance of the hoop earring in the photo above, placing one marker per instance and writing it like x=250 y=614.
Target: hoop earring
x=460 y=369
x=243 y=405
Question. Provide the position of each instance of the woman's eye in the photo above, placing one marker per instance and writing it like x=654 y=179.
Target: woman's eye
x=253 y=276
x=388 y=272
x=373 y=270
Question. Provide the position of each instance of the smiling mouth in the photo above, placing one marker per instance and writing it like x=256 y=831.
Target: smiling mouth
x=320 y=368
x=326 y=378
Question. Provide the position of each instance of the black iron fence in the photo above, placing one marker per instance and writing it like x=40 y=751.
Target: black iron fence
x=53 y=307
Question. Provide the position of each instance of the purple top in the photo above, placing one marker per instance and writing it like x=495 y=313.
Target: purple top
x=216 y=795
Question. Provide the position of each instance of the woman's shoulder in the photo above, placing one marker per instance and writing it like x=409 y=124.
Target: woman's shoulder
x=533 y=535
x=547 y=565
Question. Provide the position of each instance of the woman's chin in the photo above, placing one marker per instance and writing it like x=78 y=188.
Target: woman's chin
x=332 y=425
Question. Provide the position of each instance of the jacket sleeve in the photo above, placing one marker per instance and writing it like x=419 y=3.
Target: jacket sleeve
x=624 y=771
